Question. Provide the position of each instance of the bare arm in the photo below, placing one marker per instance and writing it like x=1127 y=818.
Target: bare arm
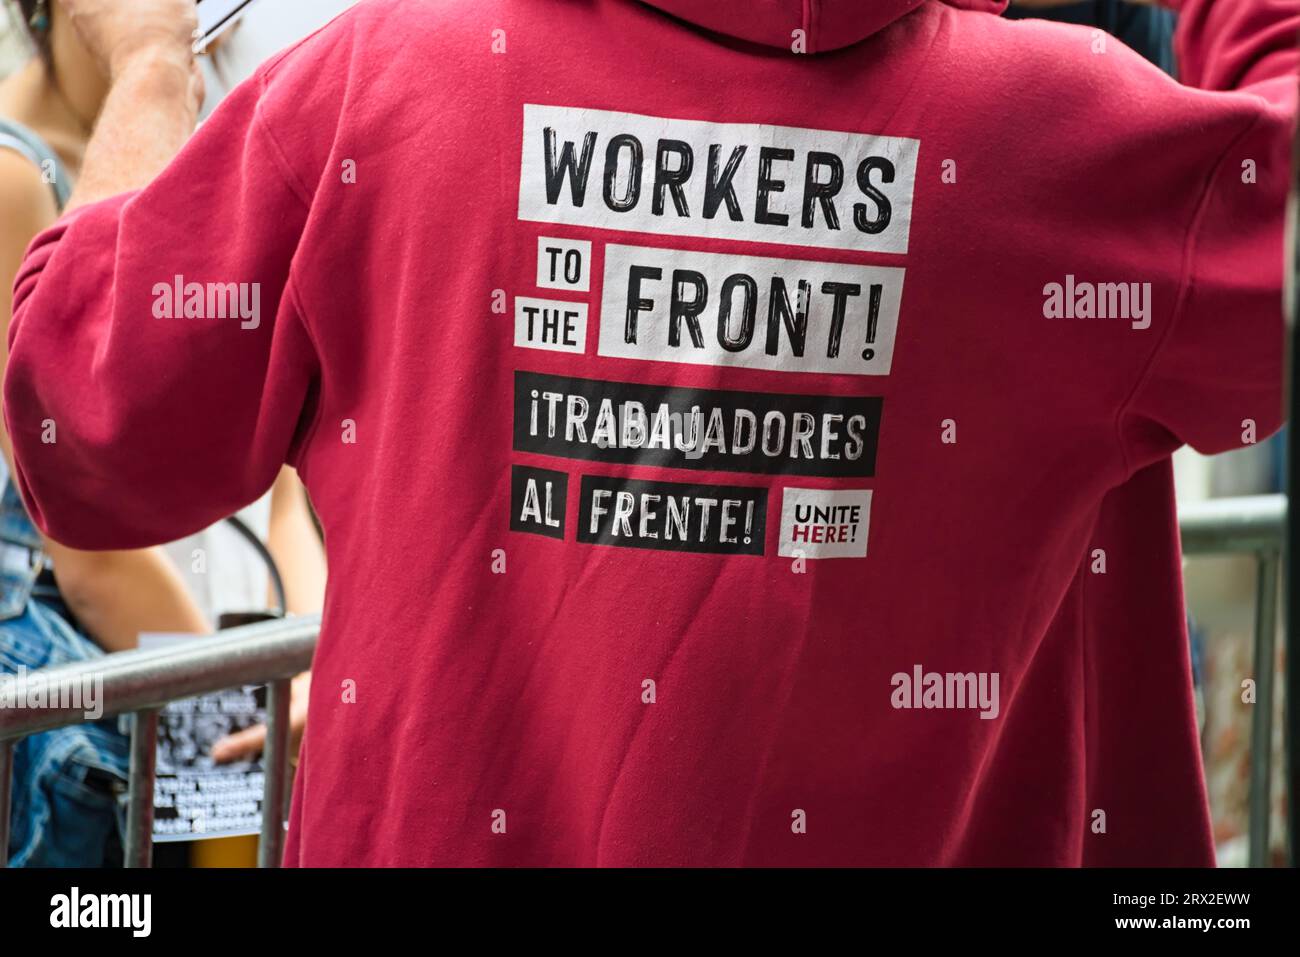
x=296 y=546
x=155 y=94
x=117 y=595
x=150 y=112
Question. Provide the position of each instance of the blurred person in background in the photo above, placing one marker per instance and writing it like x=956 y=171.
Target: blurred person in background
x=60 y=604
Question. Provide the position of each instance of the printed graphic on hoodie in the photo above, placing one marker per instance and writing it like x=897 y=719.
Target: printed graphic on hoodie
x=665 y=304
x=755 y=183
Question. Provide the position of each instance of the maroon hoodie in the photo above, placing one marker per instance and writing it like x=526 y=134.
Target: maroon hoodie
x=741 y=429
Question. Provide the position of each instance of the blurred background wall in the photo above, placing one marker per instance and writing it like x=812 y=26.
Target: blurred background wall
x=13 y=46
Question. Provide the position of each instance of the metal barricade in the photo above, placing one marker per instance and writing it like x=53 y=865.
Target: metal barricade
x=1250 y=526
x=140 y=683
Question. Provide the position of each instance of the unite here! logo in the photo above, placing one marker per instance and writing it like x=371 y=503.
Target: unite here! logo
x=74 y=910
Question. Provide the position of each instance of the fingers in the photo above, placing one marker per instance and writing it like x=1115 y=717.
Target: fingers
x=117 y=31
x=240 y=746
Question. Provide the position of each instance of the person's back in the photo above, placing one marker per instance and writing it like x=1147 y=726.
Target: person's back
x=707 y=427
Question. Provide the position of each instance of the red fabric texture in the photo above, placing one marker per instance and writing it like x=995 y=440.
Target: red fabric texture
x=525 y=698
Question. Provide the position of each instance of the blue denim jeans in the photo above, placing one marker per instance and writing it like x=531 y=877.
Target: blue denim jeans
x=69 y=783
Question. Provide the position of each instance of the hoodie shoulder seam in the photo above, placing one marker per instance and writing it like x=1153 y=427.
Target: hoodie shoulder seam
x=295 y=184
x=1184 y=287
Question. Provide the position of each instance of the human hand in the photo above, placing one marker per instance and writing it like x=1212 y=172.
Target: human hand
x=119 y=33
x=250 y=742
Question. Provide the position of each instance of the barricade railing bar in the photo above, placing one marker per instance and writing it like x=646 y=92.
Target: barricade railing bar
x=140 y=683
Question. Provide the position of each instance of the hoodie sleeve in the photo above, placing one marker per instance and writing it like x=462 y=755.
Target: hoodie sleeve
x=1215 y=380
x=160 y=370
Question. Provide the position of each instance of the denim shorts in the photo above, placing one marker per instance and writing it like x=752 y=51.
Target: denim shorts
x=69 y=784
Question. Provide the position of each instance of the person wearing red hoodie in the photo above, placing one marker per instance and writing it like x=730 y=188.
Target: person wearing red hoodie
x=711 y=407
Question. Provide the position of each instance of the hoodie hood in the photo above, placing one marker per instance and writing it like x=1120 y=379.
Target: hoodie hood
x=827 y=24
